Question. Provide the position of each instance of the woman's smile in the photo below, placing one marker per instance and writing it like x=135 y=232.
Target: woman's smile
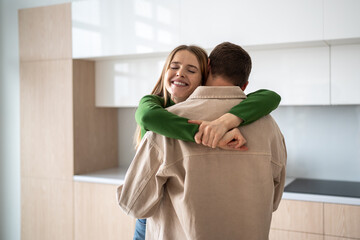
x=183 y=76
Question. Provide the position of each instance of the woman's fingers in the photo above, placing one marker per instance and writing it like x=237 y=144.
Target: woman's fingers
x=199 y=135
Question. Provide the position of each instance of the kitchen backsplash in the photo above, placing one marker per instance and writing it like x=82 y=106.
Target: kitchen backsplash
x=323 y=142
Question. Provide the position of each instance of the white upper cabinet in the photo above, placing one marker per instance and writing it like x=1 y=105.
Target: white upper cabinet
x=123 y=82
x=113 y=27
x=341 y=19
x=250 y=22
x=299 y=75
x=345 y=74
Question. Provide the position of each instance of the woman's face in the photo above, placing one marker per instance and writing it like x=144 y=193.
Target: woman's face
x=183 y=76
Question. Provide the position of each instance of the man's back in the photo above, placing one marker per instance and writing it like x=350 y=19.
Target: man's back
x=211 y=193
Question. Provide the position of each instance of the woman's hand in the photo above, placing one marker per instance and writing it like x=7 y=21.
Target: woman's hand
x=210 y=133
x=233 y=140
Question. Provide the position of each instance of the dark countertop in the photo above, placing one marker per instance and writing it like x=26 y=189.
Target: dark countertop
x=324 y=187
x=327 y=191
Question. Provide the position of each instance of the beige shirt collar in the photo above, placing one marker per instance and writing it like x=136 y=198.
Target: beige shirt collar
x=218 y=92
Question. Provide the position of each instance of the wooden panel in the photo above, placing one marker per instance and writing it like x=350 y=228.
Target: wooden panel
x=299 y=216
x=342 y=220
x=46 y=209
x=46 y=119
x=338 y=238
x=288 y=235
x=95 y=129
x=45 y=33
x=97 y=214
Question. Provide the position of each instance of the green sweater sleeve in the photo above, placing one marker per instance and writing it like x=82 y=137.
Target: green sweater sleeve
x=256 y=105
x=152 y=116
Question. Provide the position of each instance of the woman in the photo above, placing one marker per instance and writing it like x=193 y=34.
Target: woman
x=184 y=70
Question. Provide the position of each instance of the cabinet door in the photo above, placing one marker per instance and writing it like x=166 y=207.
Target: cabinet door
x=108 y=28
x=341 y=19
x=47 y=209
x=46 y=119
x=336 y=238
x=97 y=214
x=342 y=220
x=299 y=75
x=122 y=82
x=345 y=74
x=299 y=216
x=249 y=22
x=288 y=235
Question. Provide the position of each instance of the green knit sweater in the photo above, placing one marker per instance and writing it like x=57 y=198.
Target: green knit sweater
x=152 y=116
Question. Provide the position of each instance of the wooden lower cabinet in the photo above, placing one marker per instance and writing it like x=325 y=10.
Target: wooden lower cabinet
x=289 y=235
x=299 y=216
x=342 y=220
x=97 y=214
x=337 y=238
x=46 y=209
x=315 y=220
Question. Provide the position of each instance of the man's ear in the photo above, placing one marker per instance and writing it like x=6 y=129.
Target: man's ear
x=244 y=86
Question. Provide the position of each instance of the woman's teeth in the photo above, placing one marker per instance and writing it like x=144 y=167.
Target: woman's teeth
x=179 y=83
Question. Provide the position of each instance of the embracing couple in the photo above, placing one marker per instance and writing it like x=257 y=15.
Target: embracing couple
x=201 y=170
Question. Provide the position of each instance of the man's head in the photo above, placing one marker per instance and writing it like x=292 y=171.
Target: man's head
x=230 y=62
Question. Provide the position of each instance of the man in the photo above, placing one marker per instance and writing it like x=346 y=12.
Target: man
x=188 y=191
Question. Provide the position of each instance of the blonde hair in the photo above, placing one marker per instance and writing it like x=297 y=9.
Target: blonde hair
x=160 y=87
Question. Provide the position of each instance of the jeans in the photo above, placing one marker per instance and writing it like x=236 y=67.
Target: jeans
x=140 y=229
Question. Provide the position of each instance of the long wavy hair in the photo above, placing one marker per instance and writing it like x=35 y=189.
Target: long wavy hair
x=160 y=86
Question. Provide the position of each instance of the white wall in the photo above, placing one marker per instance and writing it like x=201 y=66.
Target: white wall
x=10 y=115
x=323 y=142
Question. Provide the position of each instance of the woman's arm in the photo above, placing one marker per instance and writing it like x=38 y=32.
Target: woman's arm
x=255 y=106
x=152 y=116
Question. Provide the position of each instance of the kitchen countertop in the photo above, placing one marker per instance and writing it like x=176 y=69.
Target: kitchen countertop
x=312 y=197
x=116 y=176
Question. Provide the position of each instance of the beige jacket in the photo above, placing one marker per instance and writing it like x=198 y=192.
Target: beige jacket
x=188 y=191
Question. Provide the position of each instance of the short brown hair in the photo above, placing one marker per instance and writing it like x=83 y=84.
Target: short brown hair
x=232 y=62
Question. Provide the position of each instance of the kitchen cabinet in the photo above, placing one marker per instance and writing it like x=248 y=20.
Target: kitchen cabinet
x=58 y=123
x=46 y=122
x=41 y=39
x=299 y=216
x=299 y=75
x=113 y=28
x=341 y=20
x=98 y=215
x=336 y=238
x=208 y=23
x=46 y=209
x=287 y=235
x=345 y=74
x=295 y=219
x=123 y=82
x=342 y=220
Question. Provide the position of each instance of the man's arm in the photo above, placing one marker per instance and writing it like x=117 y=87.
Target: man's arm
x=279 y=179
x=142 y=190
